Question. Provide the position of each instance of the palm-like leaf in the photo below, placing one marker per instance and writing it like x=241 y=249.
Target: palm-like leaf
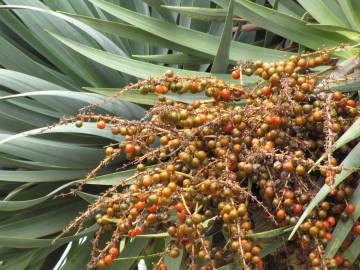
x=52 y=49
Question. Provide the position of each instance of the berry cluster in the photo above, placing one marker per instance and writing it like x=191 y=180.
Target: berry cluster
x=221 y=162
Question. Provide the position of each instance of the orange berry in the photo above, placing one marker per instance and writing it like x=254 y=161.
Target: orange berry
x=152 y=209
x=351 y=103
x=331 y=220
x=266 y=90
x=297 y=209
x=280 y=214
x=114 y=252
x=108 y=259
x=235 y=75
x=129 y=148
x=140 y=205
x=350 y=209
x=225 y=94
x=356 y=229
x=161 y=89
x=329 y=236
x=101 y=124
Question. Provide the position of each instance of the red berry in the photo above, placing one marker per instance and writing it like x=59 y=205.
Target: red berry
x=266 y=90
x=179 y=207
x=276 y=121
x=350 y=209
x=228 y=127
x=261 y=264
x=152 y=209
x=139 y=230
x=331 y=220
x=162 y=266
x=225 y=94
x=129 y=148
x=132 y=233
x=181 y=216
x=356 y=229
x=235 y=75
x=140 y=205
x=101 y=124
x=108 y=259
x=351 y=103
x=329 y=236
x=339 y=259
x=114 y=252
x=160 y=89
x=297 y=209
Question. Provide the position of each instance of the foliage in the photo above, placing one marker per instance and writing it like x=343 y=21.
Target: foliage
x=111 y=45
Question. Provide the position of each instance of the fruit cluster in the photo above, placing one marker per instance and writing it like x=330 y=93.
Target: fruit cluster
x=223 y=161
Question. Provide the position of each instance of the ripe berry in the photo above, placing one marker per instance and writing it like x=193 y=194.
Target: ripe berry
x=114 y=252
x=161 y=89
x=235 y=75
x=297 y=209
x=331 y=220
x=339 y=259
x=108 y=259
x=152 y=209
x=100 y=264
x=329 y=236
x=266 y=90
x=350 y=209
x=228 y=127
x=139 y=205
x=179 y=207
x=101 y=124
x=129 y=149
x=162 y=266
x=351 y=103
x=356 y=229
x=225 y=94
x=280 y=214
x=276 y=121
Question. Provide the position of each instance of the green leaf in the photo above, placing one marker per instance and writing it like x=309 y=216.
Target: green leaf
x=158 y=6
x=324 y=11
x=7 y=205
x=82 y=69
x=351 y=9
x=24 y=242
x=44 y=222
x=221 y=60
x=351 y=134
x=178 y=58
x=349 y=33
x=351 y=161
x=271 y=233
x=286 y=26
x=78 y=256
x=149 y=99
x=342 y=228
x=41 y=176
x=200 y=13
x=353 y=251
x=290 y=7
x=132 y=96
x=129 y=66
x=205 y=43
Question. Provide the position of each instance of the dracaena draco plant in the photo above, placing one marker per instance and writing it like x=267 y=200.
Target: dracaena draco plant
x=206 y=170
